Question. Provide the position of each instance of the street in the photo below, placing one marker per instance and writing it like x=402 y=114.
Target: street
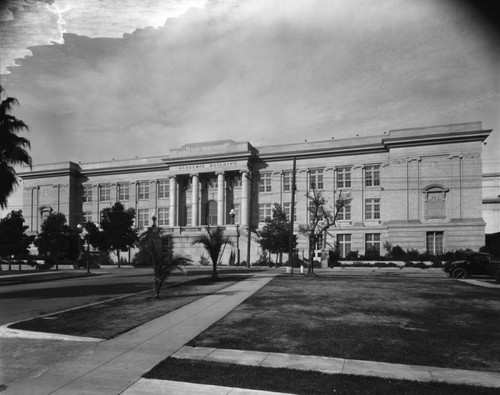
x=23 y=301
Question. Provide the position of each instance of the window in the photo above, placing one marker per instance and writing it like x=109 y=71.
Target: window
x=344 y=177
x=212 y=182
x=87 y=193
x=435 y=243
x=316 y=179
x=265 y=182
x=345 y=213
x=286 y=209
x=372 y=209
x=143 y=190
x=265 y=211
x=142 y=217
x=344 y=245
x=163 y=189
x=372 y=242
x=104 y=192
x=123 y=192
x=287 y=181
x=163 y=217
x=87 y=216
x=372 y=176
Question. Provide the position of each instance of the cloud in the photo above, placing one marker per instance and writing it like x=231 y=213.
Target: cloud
x=263 y=71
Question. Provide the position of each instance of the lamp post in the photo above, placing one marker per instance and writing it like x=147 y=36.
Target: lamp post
x=86 y=245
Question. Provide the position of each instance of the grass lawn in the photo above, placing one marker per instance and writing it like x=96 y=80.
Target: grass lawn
x=299 y=382
x=111 y=318
x=432 y=321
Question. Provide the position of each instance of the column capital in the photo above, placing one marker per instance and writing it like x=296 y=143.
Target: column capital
x=194 y=174
x=219 y=172
x=172 y=176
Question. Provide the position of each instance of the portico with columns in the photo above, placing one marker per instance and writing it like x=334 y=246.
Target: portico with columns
x=207 y=181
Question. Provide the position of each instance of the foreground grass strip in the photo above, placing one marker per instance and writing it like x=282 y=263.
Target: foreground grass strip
x=432 y=321
x=111 y=318
x=298 y=382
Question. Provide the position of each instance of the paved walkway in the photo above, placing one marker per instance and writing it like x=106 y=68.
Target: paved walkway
x=341 y=366
x=112 y=366
x=116 y=366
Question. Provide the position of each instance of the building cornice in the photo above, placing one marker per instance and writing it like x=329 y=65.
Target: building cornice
x=432 y=139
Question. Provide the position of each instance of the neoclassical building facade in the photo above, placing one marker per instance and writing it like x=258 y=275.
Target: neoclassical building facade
x=418 y=188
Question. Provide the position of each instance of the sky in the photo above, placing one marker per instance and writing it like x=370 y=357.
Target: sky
x=102 y=79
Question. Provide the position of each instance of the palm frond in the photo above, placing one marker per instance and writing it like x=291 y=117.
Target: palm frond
x=8 y=182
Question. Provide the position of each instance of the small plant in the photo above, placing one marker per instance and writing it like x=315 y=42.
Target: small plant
x=352 y=255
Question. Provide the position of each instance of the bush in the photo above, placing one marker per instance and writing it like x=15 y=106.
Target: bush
x=397 y=253
x=96 y=259
x=352 y=255
x=204 y=261
x=333 y=258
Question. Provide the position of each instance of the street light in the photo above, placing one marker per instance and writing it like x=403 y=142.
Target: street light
x=85 y=238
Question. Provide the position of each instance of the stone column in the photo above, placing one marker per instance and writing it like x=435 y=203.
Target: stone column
x=195 y=200
x=245 y=199
x=220 y=198
x=173 y=201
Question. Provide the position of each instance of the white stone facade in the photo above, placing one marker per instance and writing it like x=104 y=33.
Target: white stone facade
x=418 y=188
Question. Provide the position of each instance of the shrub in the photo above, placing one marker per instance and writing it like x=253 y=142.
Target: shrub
x=397 y=253
x=95 y=260
x=352 y=255
x=333 y=258
x=371 y=254
x=204 y=261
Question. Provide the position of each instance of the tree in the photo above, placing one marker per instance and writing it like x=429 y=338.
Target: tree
x=321 y=219
x=275 y=234
x=13 y=148
x=213 y=242
x=117 y=232
x=57 y=241
x=13 y=240
x=158 y=249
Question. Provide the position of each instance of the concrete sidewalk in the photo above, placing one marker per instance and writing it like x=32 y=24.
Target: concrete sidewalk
x=342 y=366
x=112 y=366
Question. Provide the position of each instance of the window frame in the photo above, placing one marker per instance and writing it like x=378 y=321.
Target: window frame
x=373 y=171
x=343 y=177
x=87 y=194
x=265 y=185
x=163 y=189
x=314 y=180
x=143 y=190
x=105 y=192
x=372 y=244
x=372 y=206
x=123 y=192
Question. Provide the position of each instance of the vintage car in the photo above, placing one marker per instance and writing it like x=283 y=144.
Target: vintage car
x=474 y=263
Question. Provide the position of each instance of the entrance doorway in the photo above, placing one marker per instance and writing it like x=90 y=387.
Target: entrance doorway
x=211 y=212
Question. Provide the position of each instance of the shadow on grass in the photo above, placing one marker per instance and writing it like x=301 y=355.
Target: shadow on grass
x=297 y=381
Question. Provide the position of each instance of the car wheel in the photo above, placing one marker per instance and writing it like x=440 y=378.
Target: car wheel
x=460 y=273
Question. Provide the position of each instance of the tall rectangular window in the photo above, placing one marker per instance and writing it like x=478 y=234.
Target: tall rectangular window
x=189 y=215
x=143 y=189
x=372 y=176
x=372 y=242
x=142 y=217
x=287 y=210
x=316 y=179
x=435 y=243
x=344 y=177
x=265 y=211
x=123 y=192
x=163 y=189
x=163 y=216
x=372 y=209
x=287 y=181
x=104 y=192
x=87 y=193
x=345 y=213
x=87 y=216
x=344 y=244
x=265 y=182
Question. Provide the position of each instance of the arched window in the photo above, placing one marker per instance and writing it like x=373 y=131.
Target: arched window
x=435 y=201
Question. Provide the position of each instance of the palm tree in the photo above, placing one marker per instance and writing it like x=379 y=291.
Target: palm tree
x=13 y=148
x=213 y=242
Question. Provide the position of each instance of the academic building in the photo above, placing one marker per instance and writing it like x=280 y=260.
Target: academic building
x=418 y=188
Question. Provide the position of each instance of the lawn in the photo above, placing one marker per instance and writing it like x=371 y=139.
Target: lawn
x=432 y=321
x=113 y=317
x=299 y=382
